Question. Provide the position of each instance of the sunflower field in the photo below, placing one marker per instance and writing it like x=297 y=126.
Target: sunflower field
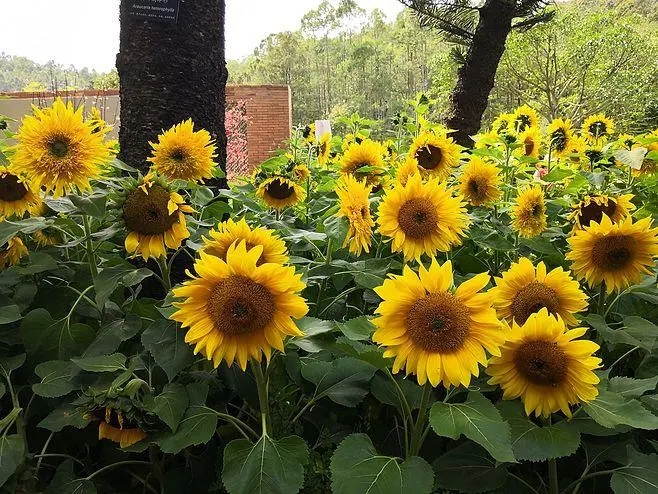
x=381 y=311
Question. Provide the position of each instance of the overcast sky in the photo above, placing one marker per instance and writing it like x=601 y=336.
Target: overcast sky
x=86 y=32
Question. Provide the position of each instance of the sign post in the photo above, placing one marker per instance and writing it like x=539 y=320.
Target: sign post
x=155 y=10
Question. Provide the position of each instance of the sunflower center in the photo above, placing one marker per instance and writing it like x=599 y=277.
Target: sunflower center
x=613 y=253
x=598 y=128
x=559 y=140
x=178 y=155
x=238 y=305
x=537 y=210
x=594 y=212
x=529 y=146
x=147 y=214
x=532 y=298
x=279 y=189
x=478 y=188
x=58 y=147
x=438 y=323
x=523 y=122
x=418 y=218
x=542 y=362
x=429 y=157
x=11 y=189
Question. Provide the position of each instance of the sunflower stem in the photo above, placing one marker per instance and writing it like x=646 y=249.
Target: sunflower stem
x=89 y=247
x=419 y=426
x=165 y=271
x=261 y=384
x=553 y=482
x=601 y=300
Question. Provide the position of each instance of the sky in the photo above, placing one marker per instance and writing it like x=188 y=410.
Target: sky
x=86 y=32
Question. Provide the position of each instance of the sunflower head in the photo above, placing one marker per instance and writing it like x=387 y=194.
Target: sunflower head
x=308 y=133
x=367 y=153
x=16 y=195
x=530 y=140
x=525 y=117
x=354 y=200
x=301 y=172
x=597 y=127
x=480 y=182
x=279 y=192
x=544 y=364
x=324 y=148
x=236 y=309
x=617 y=254
x=405 y=169
x=559 y=135
x=435 y=154
x=58 y=150
x=433 y=330
x=592 y=208
x=12 y=252
x=117 y=427
x=529 y=212
x=503 y=124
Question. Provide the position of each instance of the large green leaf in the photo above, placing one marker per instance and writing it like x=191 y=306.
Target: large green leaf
x=47 y=339
x=56 y=378
x=12 y=448
x=386 y=392
x=611 y=409
x=170 y=405
x=356 y=468
x=478 y=420
x=102 y=363
x=468 y=468
x=66 y=482
x=165 y=340
x=635 y=334
x=534 y=443
x=632 y=388
x=357 y=329
x=109 y=278
x=640 y=476
x=109 y=337
x=344 y=381
x=9 y=364
x=267 y=467
x=9 y=312
x=64 y=416
x=93 y=205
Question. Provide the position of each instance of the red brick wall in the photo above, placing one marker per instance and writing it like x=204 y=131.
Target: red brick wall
x=269 y=111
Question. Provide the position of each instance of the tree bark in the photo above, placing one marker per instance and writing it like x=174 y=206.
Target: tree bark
x=170 y=72
x=475 y=78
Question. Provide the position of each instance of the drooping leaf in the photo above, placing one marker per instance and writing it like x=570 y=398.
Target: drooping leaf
x=66 y=482
x=468 y=468
x=611 y=409
x=633 y=335
x=171 y=404
x=9 y=364
x=632 y=388
x=64 y=416
x=385 y=391
x=92 y=205
x=109 y=337
x=12 y=448
x=109 y=278
x=47 y=339
x=56 y=378
x=344 y=381
x=357 y=329
x=165 y=340
x=102 y=363
x=640 y=476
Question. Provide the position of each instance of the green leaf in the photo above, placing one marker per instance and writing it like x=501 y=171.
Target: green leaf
x=612 y=409
x=534 y=443
x=66 y=482
x=102 y=363
x=478 y=420
x=357 y=329
x=640 y=476
x=9 y=312
x=93 y=205
x=197 y=425
x=110 y=337
x=558 y=174
x=165 y=340
x=9 y=364
x=632 y=158
x=12 y=448
x=38 y=262
x=47 y=339
x=620 y=336
x=468 y=468
x=109 y=278
x=336 y=229
x=56 y=378
x=357 y=468
x=9 y=229
x=344 y=381
x=64 y=416
x=632 y=388
x=267 y=467
x=171 y=404
x=385 y=391
x=642 y=330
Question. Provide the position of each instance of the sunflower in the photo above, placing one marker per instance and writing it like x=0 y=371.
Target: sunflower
x=525 y=117
x=181 y=153
x=523 y=290
x=625 y=141
x=648 y=166
x=301 y=172
x=154 y=218
x=324 y=148
x=530 y=140
x=58 y=150
x=279 y=192
x=47 y=237
x=614 y=253
x=422 y=217
x=434 y=331
x=119 y=430
x=503 y=124
x=353 y=196
x=228 y=232
x=543 y=363
x=596 y=127
x=11 y=253
x=592 y=208
x=480 y=182
x=405 y=169
x=16 y=195
x=435 y=153
x=308 y=133
x=236 y=309
x=560 y=134
x=529 y=212
x=367 y=153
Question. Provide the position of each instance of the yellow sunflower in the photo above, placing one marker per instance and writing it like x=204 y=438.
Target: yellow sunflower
x=354 y=200
x=503 y=124
x=301 y=172
x=280 y=192
x=529 y=212
x=434 y=331
x=559 y=135
x=625 y=141
x=480 y=182
x=523 y=290
x=367 y=153
x=47 y=237
x=617 y=254
x=435 y=153
x=11 y=253
x=122 y=432
x=530 y=140
x=58 y=150
x=597 y=127
x=405 y=169
x=308 y=133
x=236 y=309
x=182 y=153
x=16 y=195
x=649 y=166
x=422 y=218
x=592 y=208
x=324 y=148
x=525 y=117
x=543 y=363
x=228 y=232
x=154 y=218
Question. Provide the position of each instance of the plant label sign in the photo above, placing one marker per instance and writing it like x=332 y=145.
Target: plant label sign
x=155 y=10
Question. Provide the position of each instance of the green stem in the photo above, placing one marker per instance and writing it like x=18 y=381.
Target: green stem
x=89 y=246
x=165 y=272
x=520 y=480
x=261 y=384
x=419 y=426
x=117 y=464
x=238 y=424
x=308 y=405
x=552 y=477
x=407 y=417
x=575 y=485
x=601 y=300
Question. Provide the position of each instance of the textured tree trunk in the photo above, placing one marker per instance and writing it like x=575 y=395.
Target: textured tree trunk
x=475 y=78
x=171 y=72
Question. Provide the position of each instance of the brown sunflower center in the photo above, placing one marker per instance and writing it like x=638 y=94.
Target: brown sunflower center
x=278 y=189
x=537 y=210
x=418 y=218
x=11 y=189
x=438 y=323
x=477 y=188
x=429 y=157
x=178 y=155
x=542 y=362
x=594 y=212
x=323 y=148
x=147 y=214
x=238 y=305
x=523 y=122
x=59 y=146
x=598 y=129
x=613 y=253
x=559 y=140
x=529 y=146
x=532 y=298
